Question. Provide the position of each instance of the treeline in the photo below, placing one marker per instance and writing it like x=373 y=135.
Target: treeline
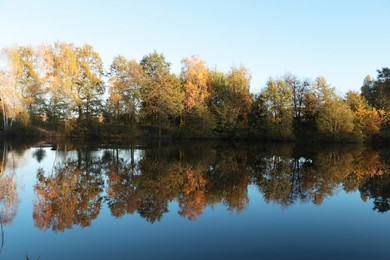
x=64 y=88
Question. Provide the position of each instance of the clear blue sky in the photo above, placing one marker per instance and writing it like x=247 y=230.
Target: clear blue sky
x=342 y=40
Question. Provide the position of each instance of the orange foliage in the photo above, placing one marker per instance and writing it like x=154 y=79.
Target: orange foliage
x=193 y=199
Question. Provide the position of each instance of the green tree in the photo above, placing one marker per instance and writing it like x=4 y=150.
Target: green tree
x=162 y=97
x=278 y=99
x=377 y=92
x=232 y=101
x=335 y=119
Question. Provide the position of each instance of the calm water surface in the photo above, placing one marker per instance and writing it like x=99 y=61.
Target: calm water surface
x=193 y=201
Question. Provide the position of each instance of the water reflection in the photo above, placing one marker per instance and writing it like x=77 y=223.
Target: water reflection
x=130 y=180
x=72 y=193
x=9 y=199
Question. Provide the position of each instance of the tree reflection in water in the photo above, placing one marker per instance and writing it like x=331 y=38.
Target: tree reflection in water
x=71 y=195
x=196 y=176
x=9 y=199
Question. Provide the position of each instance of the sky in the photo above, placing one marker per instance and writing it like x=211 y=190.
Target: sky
x=341 y=40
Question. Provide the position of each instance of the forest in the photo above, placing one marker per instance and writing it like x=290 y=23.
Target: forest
x=63 y=89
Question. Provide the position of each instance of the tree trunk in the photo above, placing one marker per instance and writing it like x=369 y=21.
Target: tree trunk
x=159 y=129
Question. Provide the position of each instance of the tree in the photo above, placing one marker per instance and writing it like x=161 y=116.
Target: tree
x=25 y=64
x=162 y=98
x=298 y=89
x=10 y=92
x=196 y=82
x=195 y=77
x=335 y=119
x=60 y=72
x=367 y=119
x=124 y=89
x=377 y=92
x=277 y=98
x=326 y=112
x=232 y=101
x=73 y=77
x=89 y=87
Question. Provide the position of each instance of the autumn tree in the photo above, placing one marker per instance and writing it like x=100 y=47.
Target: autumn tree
x=89 y=87
x=58 y=72
x=124 y=88
x=315 y=99
x=12 y=102
x=162 y=98
x=232 y=101
x=327 y=112
x=336 y=120
x=367 y=119
x=195 y=79
x=196 y=82
x=25 y=62
x=377 y=93
x=299 y=89
x=277 y=98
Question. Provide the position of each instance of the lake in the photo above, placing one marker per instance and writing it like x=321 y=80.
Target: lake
x=193 y=200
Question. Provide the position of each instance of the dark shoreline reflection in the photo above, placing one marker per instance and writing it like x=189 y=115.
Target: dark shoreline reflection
x=130 y=180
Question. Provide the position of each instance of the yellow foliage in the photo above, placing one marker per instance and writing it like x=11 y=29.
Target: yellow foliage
x=196 y=78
